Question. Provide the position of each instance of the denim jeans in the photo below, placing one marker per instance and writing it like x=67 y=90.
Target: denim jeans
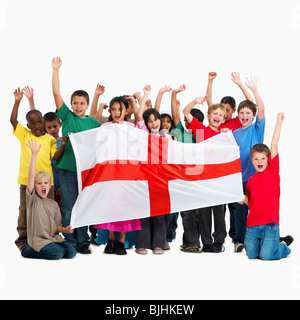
x=69 y=194
x=52 y=251
x=263 y=242
x=240 y=217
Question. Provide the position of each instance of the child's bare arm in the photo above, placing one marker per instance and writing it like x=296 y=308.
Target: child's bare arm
x=29 y=95
x=58 y=154
x=147 y=90
x=98 y=92
x=132 y=102
x=56 y=64
x=211 y=77
x=102 y=106
x=190 y=106
x=18 y=94
x=160 y=95
x=31 y=172
x=67 y=229
x=137 y=95
x=236 y=78
x=175 y=105
x=276 y=134
x=252 y=85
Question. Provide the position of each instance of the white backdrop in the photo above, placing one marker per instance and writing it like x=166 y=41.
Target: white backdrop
x=125 y=45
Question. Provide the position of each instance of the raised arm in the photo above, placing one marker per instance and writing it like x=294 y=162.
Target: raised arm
x=56 y=64
x=252 y=85
x=236 y=78
x=31 y=172
x=175 y=104
x=18 y=94
x=160 y=95
x=29 y=95
x=190 y=106
x=211 y=77
x=98 y=92
x=276 y=134
x=147 y=90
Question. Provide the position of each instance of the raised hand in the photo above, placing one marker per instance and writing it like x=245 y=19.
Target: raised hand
x=252 y=83
x=212 y=75
x=99 y=89
x=56 y=63
x=33 y=146
x=28 y=92
x=236 y=78
x=180 y=89
x=18 y=94
x=165 y=89
x=147 y=90
x=200 y=100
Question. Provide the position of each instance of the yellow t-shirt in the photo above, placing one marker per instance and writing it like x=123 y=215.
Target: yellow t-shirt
x=43 y=162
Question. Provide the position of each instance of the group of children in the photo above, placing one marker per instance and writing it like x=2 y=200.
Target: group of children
x=49 y=187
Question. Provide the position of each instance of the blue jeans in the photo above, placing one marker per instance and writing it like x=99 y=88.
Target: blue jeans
x=263 y=242
x=51 y=251
x=240 y=218
x=69 y=193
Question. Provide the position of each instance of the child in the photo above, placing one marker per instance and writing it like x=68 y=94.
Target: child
x=52 y=126
x=43 y=217
x=246 y=137
x=190 y=218
x=72 y=122
x=117 y=110
x=153 y=233
x=216 y=116
x=263 y=193
x=35 y=131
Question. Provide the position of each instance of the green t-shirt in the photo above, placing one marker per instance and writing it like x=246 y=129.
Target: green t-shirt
x=183 y=135
x=72 y=124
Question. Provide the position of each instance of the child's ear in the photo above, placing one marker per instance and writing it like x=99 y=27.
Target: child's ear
x=127 y=111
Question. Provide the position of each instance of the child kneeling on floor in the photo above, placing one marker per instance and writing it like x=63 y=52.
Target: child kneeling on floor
x=263 y=193
x=43 y=217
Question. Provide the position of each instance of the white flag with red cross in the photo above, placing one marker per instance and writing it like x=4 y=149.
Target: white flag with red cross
x=125 y=173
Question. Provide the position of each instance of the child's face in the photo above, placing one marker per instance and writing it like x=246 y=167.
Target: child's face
x=117 y=112
x=42 y=187
x=216 y=118
x=79 y=106
x=259 y=161
x=36 y=124
x=229 y=111
x=246 y=117
x=166 y=124
x=52 y=128
x=153 y=124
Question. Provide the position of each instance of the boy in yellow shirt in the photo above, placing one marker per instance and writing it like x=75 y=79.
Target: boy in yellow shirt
x=35 y=131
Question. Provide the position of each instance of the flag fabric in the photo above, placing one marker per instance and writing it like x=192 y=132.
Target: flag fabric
x=125 y=173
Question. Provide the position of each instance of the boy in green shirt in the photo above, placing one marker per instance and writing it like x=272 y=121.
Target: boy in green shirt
x=72 y=122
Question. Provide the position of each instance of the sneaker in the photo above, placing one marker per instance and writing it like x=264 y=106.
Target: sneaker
x=120 y=249
x=84 y=249
x=238 y=247
x=217 y=247
x=110 y=247
x=288 y=240
x=142 y=251
x=158 y=250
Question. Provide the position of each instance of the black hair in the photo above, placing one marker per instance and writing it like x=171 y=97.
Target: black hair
x=121 y=101
x=51 y=116
x=156 y=114
x=80 y=93
x=166 y=115
x=31 y=112
x=198 y=114
x=229 y=100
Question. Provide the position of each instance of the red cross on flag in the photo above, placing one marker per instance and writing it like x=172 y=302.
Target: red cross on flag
x=125 y=173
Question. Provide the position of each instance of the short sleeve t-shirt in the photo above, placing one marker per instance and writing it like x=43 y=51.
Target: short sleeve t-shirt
x=200 y=131
x=43 y=218
x=47 y=151
x=232 y=124
x=263 y=190
x=183 y=135
x=246 y=139
x=72 y=124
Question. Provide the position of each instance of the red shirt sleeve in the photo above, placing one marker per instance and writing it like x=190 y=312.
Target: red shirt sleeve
x=195 y=125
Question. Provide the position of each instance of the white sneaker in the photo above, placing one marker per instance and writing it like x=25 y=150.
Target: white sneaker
x=238 y=247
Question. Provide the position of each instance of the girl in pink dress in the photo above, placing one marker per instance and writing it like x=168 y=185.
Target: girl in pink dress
x=117 y=110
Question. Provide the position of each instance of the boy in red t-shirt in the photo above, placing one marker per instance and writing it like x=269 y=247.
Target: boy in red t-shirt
x=263 y=192
x=216 y=116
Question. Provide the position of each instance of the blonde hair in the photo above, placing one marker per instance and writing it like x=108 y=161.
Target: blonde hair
x=42 y=175
x=216 y=106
